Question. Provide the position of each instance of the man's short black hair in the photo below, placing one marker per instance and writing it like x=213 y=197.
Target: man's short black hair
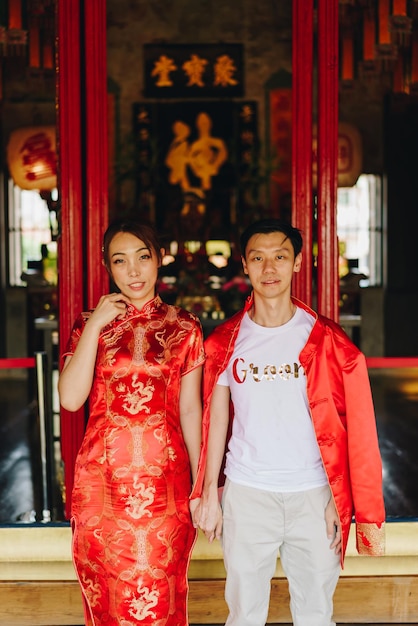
x=272 y=225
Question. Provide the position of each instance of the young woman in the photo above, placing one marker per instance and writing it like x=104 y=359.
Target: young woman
x=138 y=361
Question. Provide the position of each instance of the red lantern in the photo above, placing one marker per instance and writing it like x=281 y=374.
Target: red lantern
x=384 y=33
x=413 y=86
x=15 y=14
x=369 y=36
x=32 y=157
x=34 y=47
x=386 y=51
x=400 y=24
x=347 y=65
x=350 y=155
x=399 y=76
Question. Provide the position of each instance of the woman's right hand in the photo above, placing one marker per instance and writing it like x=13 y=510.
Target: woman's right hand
x=76 y=377
x=110 y=307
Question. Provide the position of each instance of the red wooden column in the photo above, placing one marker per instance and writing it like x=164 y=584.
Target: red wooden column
x=83 y=163
x=302 y=209
x=96 y=146
x=70 y=253
x=328 y=280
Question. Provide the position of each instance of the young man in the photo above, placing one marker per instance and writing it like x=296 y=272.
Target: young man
x=303 y=454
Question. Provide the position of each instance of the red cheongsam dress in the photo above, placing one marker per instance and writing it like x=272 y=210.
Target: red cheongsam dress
x=132 y=530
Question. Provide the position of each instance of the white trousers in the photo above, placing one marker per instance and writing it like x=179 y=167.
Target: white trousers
x=257 y=526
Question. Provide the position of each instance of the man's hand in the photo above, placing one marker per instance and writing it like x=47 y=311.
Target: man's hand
x=333 y=526
x=208 y=517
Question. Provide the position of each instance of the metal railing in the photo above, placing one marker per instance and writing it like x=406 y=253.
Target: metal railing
x=44 y=411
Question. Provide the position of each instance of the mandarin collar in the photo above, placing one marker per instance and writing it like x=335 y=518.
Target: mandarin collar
x=149 y=307
x=131 y=311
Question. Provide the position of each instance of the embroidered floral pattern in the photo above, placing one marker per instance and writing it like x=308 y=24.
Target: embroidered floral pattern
x=370 y=539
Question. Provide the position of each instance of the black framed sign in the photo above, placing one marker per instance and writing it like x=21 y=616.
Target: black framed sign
x=195 y=157
x=193 y=70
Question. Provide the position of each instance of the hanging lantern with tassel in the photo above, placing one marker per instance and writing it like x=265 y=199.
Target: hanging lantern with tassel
x=399 y=79
x=347 y=60
x=413 y=85
x=369 y=67
x=17 y=37
x=386 y=51
x=400 y=24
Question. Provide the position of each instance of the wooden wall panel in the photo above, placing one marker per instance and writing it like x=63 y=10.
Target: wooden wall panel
x=358 y=600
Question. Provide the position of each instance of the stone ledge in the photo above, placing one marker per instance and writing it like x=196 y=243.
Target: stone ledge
x=43 y=552
x=38 y=585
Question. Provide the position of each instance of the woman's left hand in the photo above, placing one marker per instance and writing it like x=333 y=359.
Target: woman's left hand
x=194 y=509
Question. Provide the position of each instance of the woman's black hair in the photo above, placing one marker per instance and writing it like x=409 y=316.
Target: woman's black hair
x=142 y=230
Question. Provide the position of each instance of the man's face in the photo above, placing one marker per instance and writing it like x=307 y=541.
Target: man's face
x=270 y=263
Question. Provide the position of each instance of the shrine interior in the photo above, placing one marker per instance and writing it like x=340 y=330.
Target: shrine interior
x=183 y=75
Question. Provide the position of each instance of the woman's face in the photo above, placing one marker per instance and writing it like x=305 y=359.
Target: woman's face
x=133 y=267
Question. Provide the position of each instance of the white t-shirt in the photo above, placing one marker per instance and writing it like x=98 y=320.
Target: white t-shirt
x=273 y=444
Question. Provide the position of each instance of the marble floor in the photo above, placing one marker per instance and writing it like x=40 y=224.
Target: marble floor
x=395 y=395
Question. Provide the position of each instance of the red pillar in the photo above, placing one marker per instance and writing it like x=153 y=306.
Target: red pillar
x=328 y=280
x=70 y=254
x=96 y=145
x=302 y=200
x=83 y=165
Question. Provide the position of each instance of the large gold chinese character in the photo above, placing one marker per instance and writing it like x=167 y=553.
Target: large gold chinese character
x=201 y=158
x=204 y=156
x=207 y=153
x=224 y=69
x=194 y=70
x=162 y=69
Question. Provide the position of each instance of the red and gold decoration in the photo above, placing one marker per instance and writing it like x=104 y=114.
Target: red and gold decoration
x=193 y=70
x=378 y=38
x=27 y=28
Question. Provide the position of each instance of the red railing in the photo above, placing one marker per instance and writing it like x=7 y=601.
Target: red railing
x=25 y=363
x=391 y=361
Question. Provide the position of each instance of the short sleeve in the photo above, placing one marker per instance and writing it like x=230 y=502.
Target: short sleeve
x=195 y=355
x=75 y=335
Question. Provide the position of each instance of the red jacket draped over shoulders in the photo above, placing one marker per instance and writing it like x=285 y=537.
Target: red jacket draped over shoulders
x=343 y=417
